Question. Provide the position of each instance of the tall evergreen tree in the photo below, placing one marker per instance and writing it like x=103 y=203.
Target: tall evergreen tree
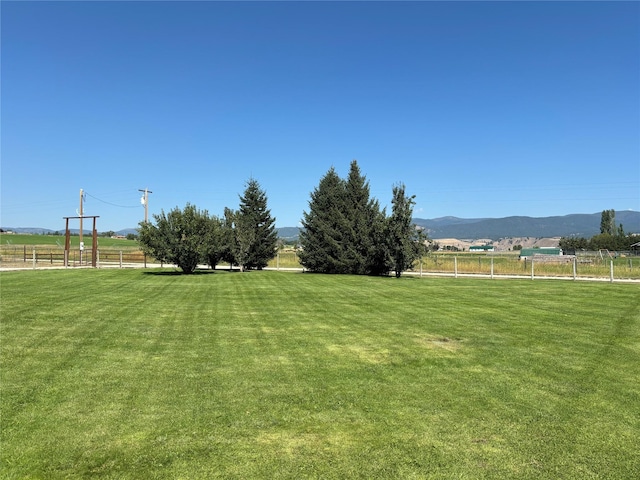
x=346 y=232
x=322 y=237
x=361 y=213
x=404 y=242
x=256 y=226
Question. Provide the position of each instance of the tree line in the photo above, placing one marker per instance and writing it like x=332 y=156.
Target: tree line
x=611 y=237
x=190 y=236
x=344 y=231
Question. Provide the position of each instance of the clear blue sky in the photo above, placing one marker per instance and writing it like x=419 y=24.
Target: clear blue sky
x=483 y=109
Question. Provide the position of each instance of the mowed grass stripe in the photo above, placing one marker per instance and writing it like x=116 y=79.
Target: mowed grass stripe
x=123 y=374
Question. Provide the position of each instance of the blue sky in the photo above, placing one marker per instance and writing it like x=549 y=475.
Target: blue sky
x=482 y=109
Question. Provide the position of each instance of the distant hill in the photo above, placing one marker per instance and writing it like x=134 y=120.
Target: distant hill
x=32 y=230
x=127 y=231
x=288 y=233
x=73 y=231
x=578 y=225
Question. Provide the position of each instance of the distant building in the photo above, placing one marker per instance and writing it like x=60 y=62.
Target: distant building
x=482 y=248
x=528 y=253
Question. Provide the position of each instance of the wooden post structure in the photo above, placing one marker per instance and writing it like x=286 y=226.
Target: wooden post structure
x=94 y=245
x=67 y=241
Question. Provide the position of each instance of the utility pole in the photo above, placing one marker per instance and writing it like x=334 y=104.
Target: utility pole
x=145 y=201
x=81 y=214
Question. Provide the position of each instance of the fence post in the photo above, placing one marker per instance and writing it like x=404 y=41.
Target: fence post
x=455 y=266
x=611 y=270
x=34 y=258
x=120 y=258
x=575 y=267
x=278 y=261
x=420 y=266
x=532 y=269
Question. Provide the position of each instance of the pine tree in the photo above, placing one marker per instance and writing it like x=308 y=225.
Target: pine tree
x=344 y=230
x=256 y=227
x=322 y=237
x=361 y=213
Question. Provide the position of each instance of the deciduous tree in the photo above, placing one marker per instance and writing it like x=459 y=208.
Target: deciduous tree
x=214 y=242
x=178 y=237
x=405 y=244
x=608 y=222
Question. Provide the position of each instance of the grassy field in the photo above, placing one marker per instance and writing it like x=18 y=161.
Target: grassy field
x=149 y=374
x=20 y=239
x=509 y=264
x=16 y=251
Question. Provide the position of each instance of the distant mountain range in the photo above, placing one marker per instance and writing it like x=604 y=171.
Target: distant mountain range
x=578 y=225
x=73 y=231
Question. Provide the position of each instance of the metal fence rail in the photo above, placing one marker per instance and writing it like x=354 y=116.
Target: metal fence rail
x=496 y=264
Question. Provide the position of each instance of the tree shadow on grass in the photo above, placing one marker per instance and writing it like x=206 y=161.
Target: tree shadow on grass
x=171 y=273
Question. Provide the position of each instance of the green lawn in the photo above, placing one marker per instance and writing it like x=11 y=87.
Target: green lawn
x=148 y=374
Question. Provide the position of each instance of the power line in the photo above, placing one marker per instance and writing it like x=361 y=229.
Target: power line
x=109 y=203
